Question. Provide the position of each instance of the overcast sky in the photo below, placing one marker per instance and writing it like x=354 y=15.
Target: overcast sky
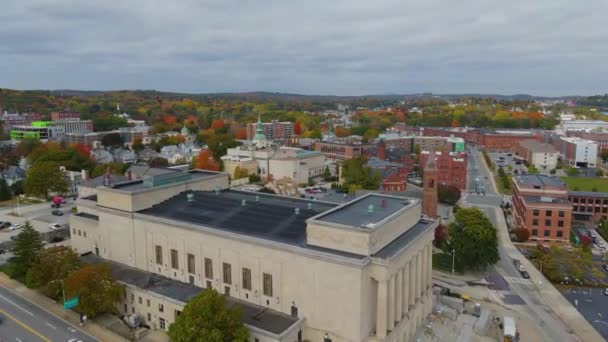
x=350 y=47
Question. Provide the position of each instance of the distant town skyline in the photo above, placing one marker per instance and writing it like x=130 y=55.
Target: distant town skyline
x=544 y=48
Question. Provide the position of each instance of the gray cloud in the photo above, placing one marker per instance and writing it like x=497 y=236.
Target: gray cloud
x=345 y=47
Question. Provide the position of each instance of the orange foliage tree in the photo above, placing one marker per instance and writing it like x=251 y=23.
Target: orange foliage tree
x=341 y=132
x=217 y=124
x=240 y=133
x=205 y=161
x=297 y=128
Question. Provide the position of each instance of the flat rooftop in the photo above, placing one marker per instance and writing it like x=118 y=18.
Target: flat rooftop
x=546 y=199
x=253 y=315
x=531 y=180
x=369 y=209
x=538 y=147
x=139 y=184
x=264 y=216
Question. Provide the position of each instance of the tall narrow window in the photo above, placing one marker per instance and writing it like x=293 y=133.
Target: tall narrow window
x=191 y=266
x=227 y=273
x=246 y=279
x=267 y=285
x=159 y=255
x=208 y=268
x=174 y=260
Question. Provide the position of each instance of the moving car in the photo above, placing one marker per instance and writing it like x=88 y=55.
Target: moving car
x=606 y=292
x=5 y=224
x=57 y=212
x=55 y=226
x=525 y=274
x=15 y=226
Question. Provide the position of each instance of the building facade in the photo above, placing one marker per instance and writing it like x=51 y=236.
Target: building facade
x=452 y=167
x=589 y=206
x=542 y=155
x=11 y=120
x=360 y=271
x=601 y=138
x=63 y=116
x=275 y=130
x=76 y=126
x=340 y=150
x=578 y=152
x=505 y=140
x=43 y=130
x=540 y=205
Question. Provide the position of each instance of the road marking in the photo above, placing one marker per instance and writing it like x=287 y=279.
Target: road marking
x=51 y=326
x=68 y=323
x=17 y=305
x=517 y=280
x=18 y=340
x=25 y=326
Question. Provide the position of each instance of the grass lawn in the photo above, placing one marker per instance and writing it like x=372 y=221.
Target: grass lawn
x=443 y=262
x=586 y=184
x=500 y=187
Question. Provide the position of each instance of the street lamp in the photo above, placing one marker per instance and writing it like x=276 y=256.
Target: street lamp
x=453 y=257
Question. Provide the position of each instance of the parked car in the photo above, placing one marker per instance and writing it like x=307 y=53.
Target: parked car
x=5 y=224
x=509 y=154
x=57 y=212
x=55 y=205
x=14 y=237
x=57 y=239
x=55 y=226
x=605 y=267
x=606 y=292
x=15 y=226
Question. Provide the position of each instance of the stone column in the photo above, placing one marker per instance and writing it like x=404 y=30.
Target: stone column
x=418 y=275
x=391 y=303
x=413 y=282
x=399 y=295
x=430 y=266
x=381 y=310
x=406 y=287
x=425 y=270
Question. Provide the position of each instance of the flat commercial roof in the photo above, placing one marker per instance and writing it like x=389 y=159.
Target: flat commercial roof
x=538 y=147
x=264 y=216
x=139 y=184
x=405 y=239
x=253 y=315
x=588 y=194
x=545 y=199
x=369 y=209
x=539 y=180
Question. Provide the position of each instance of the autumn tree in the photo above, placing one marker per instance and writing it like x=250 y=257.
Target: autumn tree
x=240 y=133
x=441 y=236
x=297 y=128
x=52 y=265
x=341 y=132
x=97 y=290
x=137 y=145
x=207 y=317
x=240 y=173
x=522 y=234
x=204 y=161
x=44 y=178
x=27 y=145
x=27 y=248
x=217 y=124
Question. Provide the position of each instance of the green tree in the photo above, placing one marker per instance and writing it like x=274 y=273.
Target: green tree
x=240 y=173
x=354 y=172
x=27 y=248
x=474 y=239
x=112 y=140
x=5 y=192
x=208 y=318
x=448 y=194
x=50 y=268
x=43 y=178
x=326 y=174
x=97 y=290
x=27 y=145
x=17 y=187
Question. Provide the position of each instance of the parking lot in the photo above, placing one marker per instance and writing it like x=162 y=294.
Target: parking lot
x=39 y=215
x=509 y=162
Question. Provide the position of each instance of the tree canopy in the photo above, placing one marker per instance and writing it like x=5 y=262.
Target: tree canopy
x=27 y=248
x=208 y=318
x=43 y=178
x=52 y=265
x=474 y=239
x=357 y=175
x=96 y=288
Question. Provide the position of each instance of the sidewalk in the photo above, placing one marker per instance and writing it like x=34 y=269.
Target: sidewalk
x=564 y=311
x=49 y=305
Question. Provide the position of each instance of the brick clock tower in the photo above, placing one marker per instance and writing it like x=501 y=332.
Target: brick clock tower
x=429 y=192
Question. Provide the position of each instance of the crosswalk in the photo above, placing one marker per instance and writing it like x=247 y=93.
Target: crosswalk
x=518 y=280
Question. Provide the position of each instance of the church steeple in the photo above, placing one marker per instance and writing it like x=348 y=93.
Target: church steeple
x=259 y=130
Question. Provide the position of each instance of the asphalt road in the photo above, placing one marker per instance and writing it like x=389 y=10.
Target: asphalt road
x=22 y=320
x=553 y=329
x=592 y=304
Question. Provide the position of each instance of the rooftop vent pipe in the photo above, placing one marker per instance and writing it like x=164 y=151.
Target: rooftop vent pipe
x=383 y=203
x=243 y=202
x=297 y=211
x=370 y=209
x=190 y=197
x=217 y=190
x=309 y=206
x=257 y=198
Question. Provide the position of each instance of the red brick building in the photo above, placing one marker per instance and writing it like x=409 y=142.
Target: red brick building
x=274 y=130
x=338 y=150
x=540 y=205
x=505 y=140
x=395 y=180
x=429 y=188
x=452 y=167
x=65 y=116
x=25 y=119
x=589 y=206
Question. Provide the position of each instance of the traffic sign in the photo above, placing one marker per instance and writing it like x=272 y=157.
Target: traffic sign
x=70 y=303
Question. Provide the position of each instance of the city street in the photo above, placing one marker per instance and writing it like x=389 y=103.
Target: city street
x=22 y=320
x=529 y=299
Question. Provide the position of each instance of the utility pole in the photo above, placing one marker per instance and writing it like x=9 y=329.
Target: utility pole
x=453 y=258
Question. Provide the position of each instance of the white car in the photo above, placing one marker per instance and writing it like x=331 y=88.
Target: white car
x=55 y=226
x=15 y=226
